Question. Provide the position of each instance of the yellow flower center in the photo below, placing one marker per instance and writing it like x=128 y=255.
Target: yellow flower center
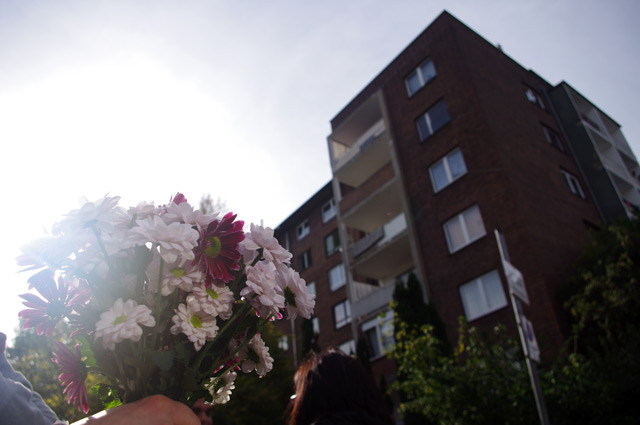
x=212 y=293
x=120 y=319
x=196 y=322
x=214 y=247
x=179 y=272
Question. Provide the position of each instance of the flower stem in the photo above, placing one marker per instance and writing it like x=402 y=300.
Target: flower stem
x=158 y=302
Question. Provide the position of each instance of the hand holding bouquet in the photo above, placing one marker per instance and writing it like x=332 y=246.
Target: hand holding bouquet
x=161 y=299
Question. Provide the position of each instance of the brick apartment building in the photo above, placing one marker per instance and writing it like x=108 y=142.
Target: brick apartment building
x=452 y=140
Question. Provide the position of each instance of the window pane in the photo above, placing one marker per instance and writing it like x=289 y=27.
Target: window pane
x=428 y=71
x=493 y=291
x=336 y=277
x=423 y=128
x=473 y=221
x=315 y=323
x=413 y=83
x=456 y=164
x=454 y=233
x=439 y=176
x=374 y=343
x=439 y=116
x=472 y=300
x=339 y=315
x=311 y=288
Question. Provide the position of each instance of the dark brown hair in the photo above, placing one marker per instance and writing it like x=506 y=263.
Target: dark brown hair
x=333 y=383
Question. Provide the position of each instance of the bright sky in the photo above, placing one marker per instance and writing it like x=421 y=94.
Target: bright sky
x=145 y=98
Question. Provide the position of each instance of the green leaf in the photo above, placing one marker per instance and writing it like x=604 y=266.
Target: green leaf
x=163 y=359
x=86 y=352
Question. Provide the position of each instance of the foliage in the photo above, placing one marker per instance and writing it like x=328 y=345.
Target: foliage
x=260 y=400
x=599 y=382
x=606 y=307
x=31 y=355
x=481 y=382
x=485 y=380
x=208 y=206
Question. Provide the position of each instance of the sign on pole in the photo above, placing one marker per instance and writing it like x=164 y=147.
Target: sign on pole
x=516 y=281
x=532 y=342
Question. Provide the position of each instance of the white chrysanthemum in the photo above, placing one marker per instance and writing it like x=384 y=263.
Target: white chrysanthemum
x=176 y=240
x=255 y=355
x=296 y=296
x=174 y=275
x=222 y=394
x=184 y=213
x=122 y=321
x=104 y=214
x=261 y=289
x=199 y=327
x=142 y=210
x=215 y=301
x=261 y=237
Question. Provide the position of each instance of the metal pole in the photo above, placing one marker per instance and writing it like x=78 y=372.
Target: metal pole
x=531 y=366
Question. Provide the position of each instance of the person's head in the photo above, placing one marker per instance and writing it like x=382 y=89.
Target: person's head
x=331 y=383
x=203 y=411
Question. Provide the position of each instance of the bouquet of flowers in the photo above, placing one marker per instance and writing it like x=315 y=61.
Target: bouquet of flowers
x=161 y=299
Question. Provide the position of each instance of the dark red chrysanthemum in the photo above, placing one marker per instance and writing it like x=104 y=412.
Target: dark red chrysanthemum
x=74 y=373
x=217 y=251
x=44 y=314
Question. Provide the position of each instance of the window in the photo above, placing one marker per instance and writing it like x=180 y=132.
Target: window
x=378 y=333
x=303 y=229
x=348 y=347
x=447 y=170
x=329 y=211
x=304 y=260
x=311 y=288
x=574 y=184
x=341 y=314
x=332 y=243
x=315 y=325
x=483 y=295
x=552 y=137
x=420 y=77
x=283 y=343
x=433 y=120
x=534 y=97
x=464 y=228
x=337 y=277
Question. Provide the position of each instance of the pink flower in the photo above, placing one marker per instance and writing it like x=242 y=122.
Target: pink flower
x=44 y=314
x=74 y=372
x=217 y=251
x=179 y=198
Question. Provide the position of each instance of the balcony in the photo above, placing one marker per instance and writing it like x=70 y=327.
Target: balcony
x=386 y=256
x=367 y=298
x=360 y=145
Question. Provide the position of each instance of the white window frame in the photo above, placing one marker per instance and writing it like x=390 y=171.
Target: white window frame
x=334 y=237
x=311 y=288
x=345 y=308
x=283 y=343
x=421 y=77
x=552 y=137
x=534 y=97
x=348 y=347
x=329 y=210
x=383 y=325
x=341 y=273
x=574 y=184
x=481 y=283
x=464 y=228
x=303 y=229
x=305 y=261
x=447 y=168
x=315 y=325
x=426 y=117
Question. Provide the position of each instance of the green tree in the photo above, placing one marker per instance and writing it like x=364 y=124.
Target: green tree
x=599 y=381
x=483 y=381
x=260 y=400
x=31 y=355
